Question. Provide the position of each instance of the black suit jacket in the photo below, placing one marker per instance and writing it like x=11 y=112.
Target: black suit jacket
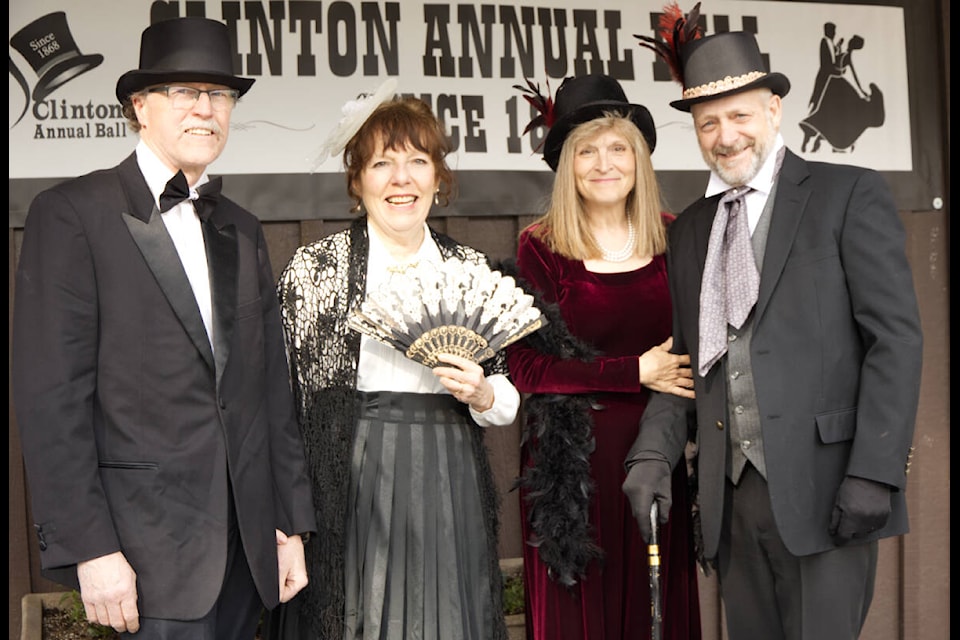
x=836 y=352
x=132 y=427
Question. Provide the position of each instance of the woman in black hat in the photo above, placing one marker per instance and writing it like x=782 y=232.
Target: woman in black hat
x=596 y=259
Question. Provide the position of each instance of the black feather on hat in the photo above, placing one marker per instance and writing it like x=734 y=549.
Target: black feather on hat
x=187 y=49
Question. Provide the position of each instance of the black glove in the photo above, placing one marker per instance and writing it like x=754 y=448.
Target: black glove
x=862 y=507
x=648 y=480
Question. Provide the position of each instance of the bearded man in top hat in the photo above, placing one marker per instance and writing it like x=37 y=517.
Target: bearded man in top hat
x=793 y=296
x=152 y=394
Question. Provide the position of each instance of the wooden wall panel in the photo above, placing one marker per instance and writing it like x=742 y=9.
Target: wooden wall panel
x=503 y=447
x=282 y=238
x=925 y=589
x=18 y=561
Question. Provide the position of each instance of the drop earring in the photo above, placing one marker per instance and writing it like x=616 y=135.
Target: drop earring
x=436 y=197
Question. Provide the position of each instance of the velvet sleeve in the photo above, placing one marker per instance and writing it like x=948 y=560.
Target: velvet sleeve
x=536 y=371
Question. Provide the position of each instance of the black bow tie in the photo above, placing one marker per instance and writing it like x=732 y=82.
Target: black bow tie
x=177 y=191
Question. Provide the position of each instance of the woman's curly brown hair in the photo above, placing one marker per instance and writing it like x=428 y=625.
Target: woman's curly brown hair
x=403 y=121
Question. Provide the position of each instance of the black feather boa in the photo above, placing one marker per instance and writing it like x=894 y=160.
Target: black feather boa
x=558 y=434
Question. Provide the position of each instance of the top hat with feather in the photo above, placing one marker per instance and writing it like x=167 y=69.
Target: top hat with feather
x=580 y=99
x=710 y=67
x=187 y=49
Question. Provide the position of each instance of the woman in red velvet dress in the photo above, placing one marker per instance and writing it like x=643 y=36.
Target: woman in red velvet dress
x=595 y=260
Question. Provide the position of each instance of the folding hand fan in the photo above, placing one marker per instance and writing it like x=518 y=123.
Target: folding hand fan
x=453 y=307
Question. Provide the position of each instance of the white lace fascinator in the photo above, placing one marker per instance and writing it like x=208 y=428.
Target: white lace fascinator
x=455 y=307
x=355 y=113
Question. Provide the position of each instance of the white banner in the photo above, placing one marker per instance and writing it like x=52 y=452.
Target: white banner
x=310 y=57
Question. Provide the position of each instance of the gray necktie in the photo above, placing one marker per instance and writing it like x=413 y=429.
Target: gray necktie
x=730 y=282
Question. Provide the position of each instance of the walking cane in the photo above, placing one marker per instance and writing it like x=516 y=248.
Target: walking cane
x=653 y=549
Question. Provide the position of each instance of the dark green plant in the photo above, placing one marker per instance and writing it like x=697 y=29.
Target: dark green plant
x=73 y=606
x=513 y=594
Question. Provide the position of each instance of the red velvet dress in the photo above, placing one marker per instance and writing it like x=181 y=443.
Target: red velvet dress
x=622 y=315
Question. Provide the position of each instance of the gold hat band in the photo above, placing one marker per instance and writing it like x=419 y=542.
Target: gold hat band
x=728 y=83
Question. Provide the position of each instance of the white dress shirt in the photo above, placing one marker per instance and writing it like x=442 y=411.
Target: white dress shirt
x=383 y=368
x=183 y=225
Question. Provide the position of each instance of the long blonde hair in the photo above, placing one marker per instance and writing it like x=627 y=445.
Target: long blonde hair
x=564 y=225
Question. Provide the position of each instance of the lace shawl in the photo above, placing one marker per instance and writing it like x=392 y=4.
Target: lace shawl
x=318 y=288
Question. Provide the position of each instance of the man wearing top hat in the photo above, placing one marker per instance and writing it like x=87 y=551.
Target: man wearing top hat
x=163 y=456
x=805 y=343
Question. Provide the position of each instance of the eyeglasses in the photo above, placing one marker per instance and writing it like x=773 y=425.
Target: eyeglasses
x=183 y=98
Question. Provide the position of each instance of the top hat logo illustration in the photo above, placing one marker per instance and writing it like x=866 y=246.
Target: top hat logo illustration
x=47 y=45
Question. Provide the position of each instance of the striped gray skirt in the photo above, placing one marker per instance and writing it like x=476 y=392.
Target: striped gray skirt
x=416 y=564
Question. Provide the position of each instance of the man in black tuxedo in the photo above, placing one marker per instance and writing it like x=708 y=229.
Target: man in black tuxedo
x=151 y=385
x=804 y=334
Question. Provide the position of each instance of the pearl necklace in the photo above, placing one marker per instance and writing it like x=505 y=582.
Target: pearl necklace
x=626 y=252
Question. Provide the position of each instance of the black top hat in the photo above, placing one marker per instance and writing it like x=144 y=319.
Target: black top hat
x=56 y=58
x=583 y=98
x=183 y=50
x=723 y=64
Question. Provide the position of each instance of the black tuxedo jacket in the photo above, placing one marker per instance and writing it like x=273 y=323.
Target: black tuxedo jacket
x=135 y=433
x=836 y=352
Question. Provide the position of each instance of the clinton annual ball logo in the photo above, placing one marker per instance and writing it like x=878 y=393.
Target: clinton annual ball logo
x=48 y=47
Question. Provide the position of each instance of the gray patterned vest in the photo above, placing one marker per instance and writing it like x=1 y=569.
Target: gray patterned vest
x=743 y=416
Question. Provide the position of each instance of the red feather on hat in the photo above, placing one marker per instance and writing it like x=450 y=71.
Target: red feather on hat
x=543 y=104
x=676 y=29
